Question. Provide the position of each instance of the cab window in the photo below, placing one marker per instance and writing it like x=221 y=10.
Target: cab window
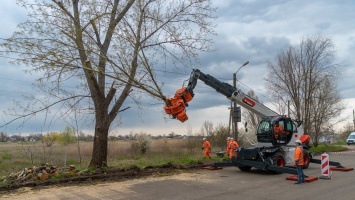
x=289 y=126
x=264 y=127
x=294 y=128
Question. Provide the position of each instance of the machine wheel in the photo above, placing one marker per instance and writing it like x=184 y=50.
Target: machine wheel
x=278 y=159
x=244 y=168
x=306 y=159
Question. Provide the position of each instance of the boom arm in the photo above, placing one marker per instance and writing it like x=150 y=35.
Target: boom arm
x=176 y=105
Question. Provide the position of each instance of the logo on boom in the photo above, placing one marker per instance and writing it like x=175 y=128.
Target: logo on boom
x=248 y=101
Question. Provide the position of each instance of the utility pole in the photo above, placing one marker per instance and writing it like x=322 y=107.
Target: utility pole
x=354 y=118
x=236 y=109
x=230 y=120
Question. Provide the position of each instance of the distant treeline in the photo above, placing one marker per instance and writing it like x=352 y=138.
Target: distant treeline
x=5 y=137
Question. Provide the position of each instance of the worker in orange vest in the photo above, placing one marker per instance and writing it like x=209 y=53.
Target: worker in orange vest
x=206 y=146
x=278 y=130
x=227 y=147
x=299 y=161
x=233 y=145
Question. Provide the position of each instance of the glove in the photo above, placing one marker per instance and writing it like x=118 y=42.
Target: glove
x=202 y=148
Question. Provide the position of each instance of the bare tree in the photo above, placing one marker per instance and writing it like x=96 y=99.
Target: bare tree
x=109 y=49
x=31 y=149
x=348 y=127
x=305 y=75
x=344 y=133
x=219 y=137
x=192 y=143
x=74 y=124
x=327 y=105
x=207 y=129
x=3 y=136
x=48 y=141
x=141 y=143
x=50 y=138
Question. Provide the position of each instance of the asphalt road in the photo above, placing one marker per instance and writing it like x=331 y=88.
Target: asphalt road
x=228 y=183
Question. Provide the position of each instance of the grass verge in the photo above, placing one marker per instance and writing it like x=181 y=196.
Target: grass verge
x=327 y=148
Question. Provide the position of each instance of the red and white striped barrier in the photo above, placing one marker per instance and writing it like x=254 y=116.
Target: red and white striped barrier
x=326 y=173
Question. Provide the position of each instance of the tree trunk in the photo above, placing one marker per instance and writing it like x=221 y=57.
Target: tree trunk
x=99 y=153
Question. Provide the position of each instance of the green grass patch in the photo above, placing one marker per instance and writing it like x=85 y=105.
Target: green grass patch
x=156 y=159
x=6 y=157
x=341 y=143
x=189 y=160
x=327 y=148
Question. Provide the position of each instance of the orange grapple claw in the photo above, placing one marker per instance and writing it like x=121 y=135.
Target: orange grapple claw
x=176 y=105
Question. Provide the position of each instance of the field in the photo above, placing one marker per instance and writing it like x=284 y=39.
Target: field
x=20 y=155
x=121 y=154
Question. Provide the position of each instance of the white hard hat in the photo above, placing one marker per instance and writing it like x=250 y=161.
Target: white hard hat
x=204 y=139
x=298 y=141
x=228 y=138
x=231 y=138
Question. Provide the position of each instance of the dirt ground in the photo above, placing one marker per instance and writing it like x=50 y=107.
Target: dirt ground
x=109 y=175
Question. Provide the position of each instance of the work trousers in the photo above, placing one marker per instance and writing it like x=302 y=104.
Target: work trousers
x=300 y=173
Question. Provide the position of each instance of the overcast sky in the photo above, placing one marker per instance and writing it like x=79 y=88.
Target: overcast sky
x=248 y=30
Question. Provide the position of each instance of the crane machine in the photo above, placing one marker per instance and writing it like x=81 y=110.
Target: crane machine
x=273 y=151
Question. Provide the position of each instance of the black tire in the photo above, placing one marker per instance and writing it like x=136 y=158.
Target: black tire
x=244 y=168
x=278 y=159
x=306 y=159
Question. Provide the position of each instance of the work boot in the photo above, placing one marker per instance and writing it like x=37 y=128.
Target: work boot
x=297 y=183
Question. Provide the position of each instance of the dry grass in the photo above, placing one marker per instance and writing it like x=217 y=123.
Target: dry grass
x=17 y=156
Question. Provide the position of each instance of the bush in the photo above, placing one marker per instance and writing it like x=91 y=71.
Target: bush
x=141 y=144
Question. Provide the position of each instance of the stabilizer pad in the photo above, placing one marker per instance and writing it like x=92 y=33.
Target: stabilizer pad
x=308 y=179
x=345 y=169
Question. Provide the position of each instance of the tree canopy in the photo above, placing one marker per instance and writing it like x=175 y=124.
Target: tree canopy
x=307 y=76
x=106 y=51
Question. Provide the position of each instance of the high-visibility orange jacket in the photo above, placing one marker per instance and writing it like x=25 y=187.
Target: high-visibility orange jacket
x=278 y=130
x=233 y=145
x=298 y=158
x=206 y=144
x=207 y=148
x=227 y=147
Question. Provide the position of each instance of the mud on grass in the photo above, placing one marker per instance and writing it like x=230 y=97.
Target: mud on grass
x=107 y=175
